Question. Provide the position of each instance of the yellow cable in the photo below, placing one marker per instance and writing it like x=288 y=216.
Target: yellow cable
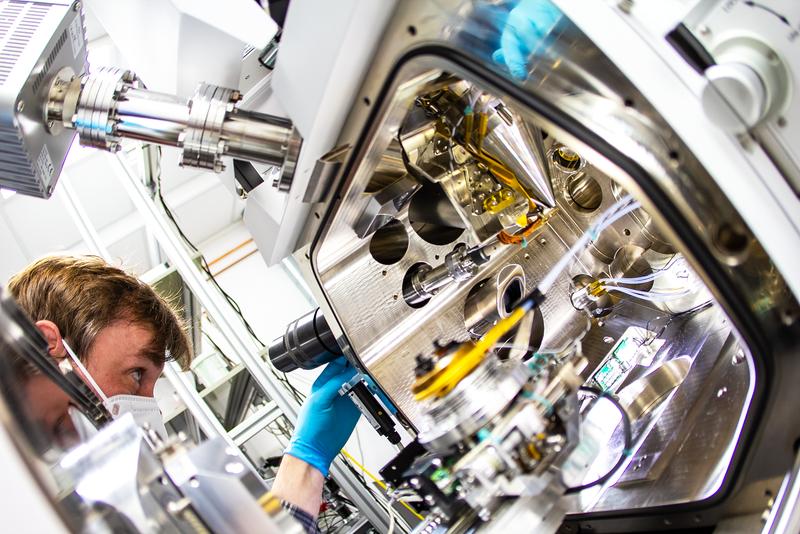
x=463 y=364
x=379 y=482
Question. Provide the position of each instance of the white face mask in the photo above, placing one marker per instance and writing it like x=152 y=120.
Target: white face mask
x=144 y=409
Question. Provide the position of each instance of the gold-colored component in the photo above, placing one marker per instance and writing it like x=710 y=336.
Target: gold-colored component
x=498 y=201
x=595 y=289
x=483 y=128
x=270 y=503
x=469 y=119
x=442 y=379
x=534 y=452
x=527 y=231
x=568 y=154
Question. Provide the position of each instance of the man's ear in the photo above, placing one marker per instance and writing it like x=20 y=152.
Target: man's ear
x=52 y=335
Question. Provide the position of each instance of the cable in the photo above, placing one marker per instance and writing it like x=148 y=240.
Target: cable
x=652 y=296
x=626 y=450
x=392 y=519
x=378 y=481
x=298 y=396
x=621 y=208
x=634 y=279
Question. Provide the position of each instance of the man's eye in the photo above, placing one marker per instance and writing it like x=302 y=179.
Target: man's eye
x=137 y=375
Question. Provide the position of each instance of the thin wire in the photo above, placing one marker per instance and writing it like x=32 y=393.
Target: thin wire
x=626 y=450
x=650 y=295
x=621 y=208
x=381 y=484
x=298 y=396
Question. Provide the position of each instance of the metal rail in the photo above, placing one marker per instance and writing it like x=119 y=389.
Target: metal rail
x=233 y=330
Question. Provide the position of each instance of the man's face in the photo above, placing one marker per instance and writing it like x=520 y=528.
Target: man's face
x=47 y=404
x=121 y=359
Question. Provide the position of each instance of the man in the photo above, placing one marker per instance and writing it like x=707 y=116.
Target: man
x=122 y=333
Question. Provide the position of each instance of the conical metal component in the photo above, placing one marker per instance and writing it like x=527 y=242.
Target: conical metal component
x=521 y=149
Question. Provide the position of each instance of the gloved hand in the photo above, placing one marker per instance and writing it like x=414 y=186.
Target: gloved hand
x=526 y=27
x=326 y=419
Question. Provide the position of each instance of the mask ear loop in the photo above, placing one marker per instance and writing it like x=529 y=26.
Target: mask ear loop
x=85 y=373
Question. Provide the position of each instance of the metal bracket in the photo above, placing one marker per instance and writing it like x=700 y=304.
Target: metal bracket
x=373 y=405
x=325 y=170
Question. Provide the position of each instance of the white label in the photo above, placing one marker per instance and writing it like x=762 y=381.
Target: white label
x=76 y=36
x=45 y=165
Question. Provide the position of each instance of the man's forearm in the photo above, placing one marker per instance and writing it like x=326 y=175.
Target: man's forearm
x=299 y=484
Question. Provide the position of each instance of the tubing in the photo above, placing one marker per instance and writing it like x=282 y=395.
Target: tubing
x=621 y=208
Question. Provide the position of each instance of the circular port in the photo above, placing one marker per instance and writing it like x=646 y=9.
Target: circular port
x=584 y=192
x=411 y=292
x=511 y=295
x=567 y=158
x=433 y=217
x=389 y=243
x=732 y=242
x=493 y=298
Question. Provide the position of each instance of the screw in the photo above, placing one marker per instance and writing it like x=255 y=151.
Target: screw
x=50 y=125
x=543 y=241
x=704 y=30
x=744 y=141
x=608 y=339
x=76 y=6
x=20 y=105
x=738 y=358
x=625 y=5
x=234 y=468
x=721 y=392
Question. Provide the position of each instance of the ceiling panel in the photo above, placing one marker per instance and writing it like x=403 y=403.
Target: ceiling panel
x=43 y=225
x=207 y=214
x=13 y=257
x=99 y=191
x=131 y=252
x=172 y=174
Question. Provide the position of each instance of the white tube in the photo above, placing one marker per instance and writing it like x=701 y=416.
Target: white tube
x=649 y=295
x=621 y=208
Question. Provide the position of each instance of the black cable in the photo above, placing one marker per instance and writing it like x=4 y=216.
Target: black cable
x=298 y=396
x=626 y=450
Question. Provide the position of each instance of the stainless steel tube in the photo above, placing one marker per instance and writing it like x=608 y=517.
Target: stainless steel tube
x=152 y=117
x=111 y=104
x=258 y=137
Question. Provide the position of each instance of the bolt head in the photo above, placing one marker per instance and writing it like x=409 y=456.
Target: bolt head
x=20 y=106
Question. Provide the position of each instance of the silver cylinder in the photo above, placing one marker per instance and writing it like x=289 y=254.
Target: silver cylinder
x=258 y=137
x=111 y=104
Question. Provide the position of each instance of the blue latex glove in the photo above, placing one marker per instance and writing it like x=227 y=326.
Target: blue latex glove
x=526 y=27
x=326 y=419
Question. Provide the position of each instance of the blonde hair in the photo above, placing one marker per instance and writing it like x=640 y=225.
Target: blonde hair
x=84 y=294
